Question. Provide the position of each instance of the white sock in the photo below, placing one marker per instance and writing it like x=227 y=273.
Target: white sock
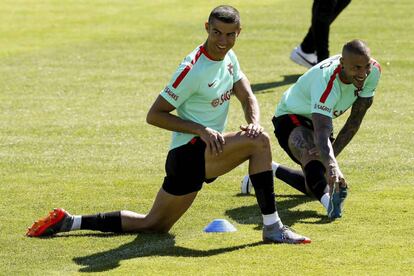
x=271 y=219
x=325 y=200
x=274 y=167
x=77 y=220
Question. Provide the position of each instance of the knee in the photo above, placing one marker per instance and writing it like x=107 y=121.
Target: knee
x=262 y=142
x=157 y=228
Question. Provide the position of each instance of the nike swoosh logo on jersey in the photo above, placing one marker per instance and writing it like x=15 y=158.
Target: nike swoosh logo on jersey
x=211 y=84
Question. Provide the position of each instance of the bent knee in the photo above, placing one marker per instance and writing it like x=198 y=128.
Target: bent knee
x=157 y=228
x=262 y=141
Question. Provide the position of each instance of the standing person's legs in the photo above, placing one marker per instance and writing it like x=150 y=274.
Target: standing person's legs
x=308 y=44
x=324 y=12
x=339 y=7
x=305 y=53
x=322 y=18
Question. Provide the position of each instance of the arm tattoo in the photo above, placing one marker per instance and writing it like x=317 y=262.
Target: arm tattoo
x=345 y=135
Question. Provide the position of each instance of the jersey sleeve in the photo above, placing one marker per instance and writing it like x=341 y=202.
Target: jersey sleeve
x=237 y=72
x=181 y=86
x=371 y=81
x=323 y=97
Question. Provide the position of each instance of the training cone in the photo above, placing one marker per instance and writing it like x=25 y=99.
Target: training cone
x=220 y=225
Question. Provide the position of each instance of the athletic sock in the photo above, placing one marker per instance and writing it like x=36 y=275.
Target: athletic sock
x=272 y=219
x=294 y=178
x=325 y=200
x=315 y=178
x=264 y=190
x=77 y=220
x=265 y=196
x=104 y=222
x=274 y=167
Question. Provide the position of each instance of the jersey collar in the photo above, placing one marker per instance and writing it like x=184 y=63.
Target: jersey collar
x=204 y=52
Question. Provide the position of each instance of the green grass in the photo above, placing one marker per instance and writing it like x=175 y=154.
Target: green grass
x=76 y=81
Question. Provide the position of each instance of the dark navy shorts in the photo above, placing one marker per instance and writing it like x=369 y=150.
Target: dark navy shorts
x=185 y=168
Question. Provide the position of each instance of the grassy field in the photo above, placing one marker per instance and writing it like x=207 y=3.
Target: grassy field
x=76 y=81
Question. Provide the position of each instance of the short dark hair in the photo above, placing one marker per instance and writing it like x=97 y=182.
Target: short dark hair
x=356 y=47
x=225 y=13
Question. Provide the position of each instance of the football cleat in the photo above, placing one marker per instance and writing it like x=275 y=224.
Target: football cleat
x=246 y=185
x=273 y=234
x=336 y=203
x=302 y=58
x=57 y=221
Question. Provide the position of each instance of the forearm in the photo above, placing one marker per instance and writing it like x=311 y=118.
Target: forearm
x=326 y=152
x=172 y=122
x=344 y=137
x=251 y=110
x=323 y=128
x=248 y=100
x=160 y=115
x=351 y=127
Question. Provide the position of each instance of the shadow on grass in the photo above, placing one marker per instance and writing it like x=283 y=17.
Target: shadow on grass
x=148 y=245
x=143 y=246
x=263 y=87
x=91 y=235
x=251 y=214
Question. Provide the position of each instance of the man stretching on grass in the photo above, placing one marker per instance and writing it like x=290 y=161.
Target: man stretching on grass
x=200 y=90
x=303 y=122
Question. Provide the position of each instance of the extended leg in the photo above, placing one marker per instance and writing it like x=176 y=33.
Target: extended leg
x=166 y=210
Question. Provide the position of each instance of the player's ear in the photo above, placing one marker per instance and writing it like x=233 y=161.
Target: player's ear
x=341 y=60
x=206 y=26
x=238 y=32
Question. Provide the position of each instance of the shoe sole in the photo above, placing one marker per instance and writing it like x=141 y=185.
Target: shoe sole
x=40 y=226
x=267 y=241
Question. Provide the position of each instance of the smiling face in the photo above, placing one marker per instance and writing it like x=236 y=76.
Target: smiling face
x=221 y=38
x=355 y=62
x=355 y=68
